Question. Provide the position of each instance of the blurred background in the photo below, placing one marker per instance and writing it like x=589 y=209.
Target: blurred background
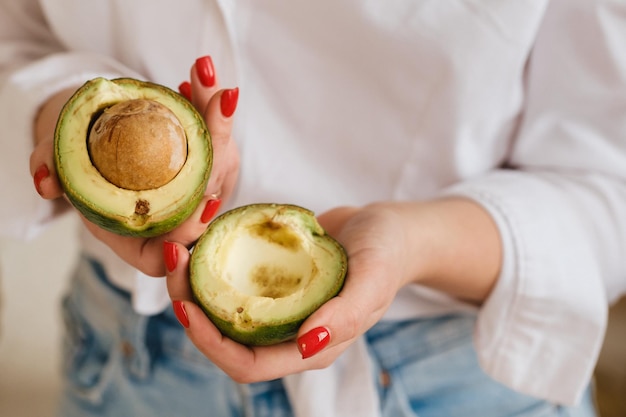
x=33 y=277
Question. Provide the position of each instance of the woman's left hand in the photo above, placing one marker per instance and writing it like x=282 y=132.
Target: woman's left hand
x=373 y=241
x=449 y=244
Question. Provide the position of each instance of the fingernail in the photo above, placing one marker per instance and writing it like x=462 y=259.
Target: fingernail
x=313 y=341
x=228 y=101
x=185 y=89
x=205 y=70
x=210 y=209
x=181 y=313
x=41 y=174
x=170 y=255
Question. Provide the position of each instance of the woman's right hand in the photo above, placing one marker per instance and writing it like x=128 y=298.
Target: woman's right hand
x=216 y=106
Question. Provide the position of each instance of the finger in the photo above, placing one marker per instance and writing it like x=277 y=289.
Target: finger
x=218 y=114
x=333 y=221
x=247 y=364
x=225 y=172
x=227 y=354
x=187 y=233
x=217 y=107
x=176 y=259
x=43 y=171
x=190 y=230
x=219 y=119
x=242 y=363
x=204 y=82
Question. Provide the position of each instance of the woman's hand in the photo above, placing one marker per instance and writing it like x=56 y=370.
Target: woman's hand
x=389 y=245
x=217 y=107
x=374 y=276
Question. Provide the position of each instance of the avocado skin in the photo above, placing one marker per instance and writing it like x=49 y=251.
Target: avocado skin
x=121 y=227
x=256 y=336
x=264 y=334
x=134 y=225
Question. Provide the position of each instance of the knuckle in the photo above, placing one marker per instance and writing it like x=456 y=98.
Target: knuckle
x=243 y=377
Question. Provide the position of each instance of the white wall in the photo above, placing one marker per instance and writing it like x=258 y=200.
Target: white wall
x=33 y=276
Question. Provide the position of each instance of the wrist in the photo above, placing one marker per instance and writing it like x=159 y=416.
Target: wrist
x=452 y=245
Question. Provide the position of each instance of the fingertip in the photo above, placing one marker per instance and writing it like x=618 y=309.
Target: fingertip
x=210 y=210
x=219 y=114
x=313 y=341
x=204 y=82
x=181 y=313
x=170 y=255
x=46 y=185
x=184 y=89
x=228 y=101
x=205 y=70
x=176 y=262
x=40 y=175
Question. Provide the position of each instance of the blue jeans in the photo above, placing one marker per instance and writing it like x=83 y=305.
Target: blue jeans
x=121 y=364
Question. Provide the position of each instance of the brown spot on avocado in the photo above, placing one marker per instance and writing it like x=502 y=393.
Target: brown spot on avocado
x=142 y=207
x=277 y=233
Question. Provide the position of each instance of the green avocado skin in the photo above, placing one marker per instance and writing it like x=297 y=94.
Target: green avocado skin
x=121 y=227
x=263 y=333
x=134 y=225
x=256 y=336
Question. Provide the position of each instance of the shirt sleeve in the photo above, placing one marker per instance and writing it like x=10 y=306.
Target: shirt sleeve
x=560 y=206
x=33 y=66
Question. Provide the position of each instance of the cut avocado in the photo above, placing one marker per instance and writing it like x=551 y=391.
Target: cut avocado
x=259 y=271
x=133 y=157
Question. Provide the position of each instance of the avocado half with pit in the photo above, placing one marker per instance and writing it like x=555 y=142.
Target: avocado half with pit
x=259 y=271
x=133 y=157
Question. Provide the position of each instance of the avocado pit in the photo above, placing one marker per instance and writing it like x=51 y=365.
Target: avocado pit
x=137 y=144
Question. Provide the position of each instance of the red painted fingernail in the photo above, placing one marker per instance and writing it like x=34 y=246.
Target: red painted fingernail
x=185 y=89
x=228 y=101
x=210 y=209
x=41 y=174
x=313 y=341
x=181 y=313
x=170 y=255
x=205 y=70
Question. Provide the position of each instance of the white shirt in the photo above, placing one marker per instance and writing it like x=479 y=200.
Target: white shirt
x=518 y=105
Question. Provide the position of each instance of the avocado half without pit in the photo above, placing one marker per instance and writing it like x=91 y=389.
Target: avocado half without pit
x=133 y=157
x=259 y=271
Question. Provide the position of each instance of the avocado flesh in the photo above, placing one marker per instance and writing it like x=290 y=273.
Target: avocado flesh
x=259 y=271
x=141 y=213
